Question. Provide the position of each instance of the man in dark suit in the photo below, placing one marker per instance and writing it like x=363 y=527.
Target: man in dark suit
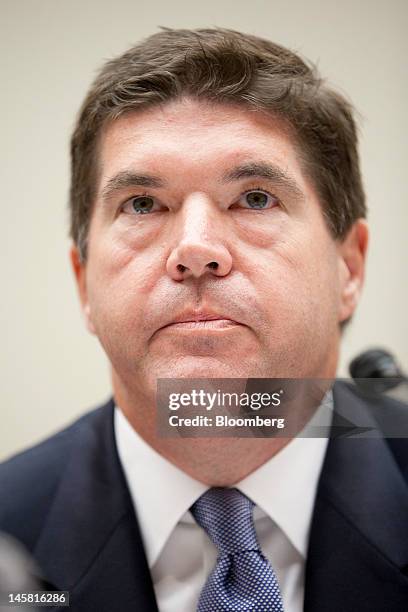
x=68 y=502
x=217 y=215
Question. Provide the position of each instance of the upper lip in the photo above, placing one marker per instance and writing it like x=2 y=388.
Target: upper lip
x=188 y=316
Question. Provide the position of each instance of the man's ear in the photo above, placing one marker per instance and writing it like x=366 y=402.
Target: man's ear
x=79 y=268
x=352 y=255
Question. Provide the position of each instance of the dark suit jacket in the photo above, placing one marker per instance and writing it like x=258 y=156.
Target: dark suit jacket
x=67 y=501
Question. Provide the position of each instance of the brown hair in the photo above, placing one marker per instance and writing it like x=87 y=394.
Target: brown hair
x=225 y=66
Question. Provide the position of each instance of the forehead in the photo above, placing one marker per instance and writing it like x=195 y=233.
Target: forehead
x=188 y=136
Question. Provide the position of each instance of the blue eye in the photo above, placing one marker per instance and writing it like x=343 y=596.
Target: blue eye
x=139 y=205
x=258 y=199
x=142 y=204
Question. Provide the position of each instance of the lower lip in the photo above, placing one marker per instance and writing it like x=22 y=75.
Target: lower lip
x=209 y=325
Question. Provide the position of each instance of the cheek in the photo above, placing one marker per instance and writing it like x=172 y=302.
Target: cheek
x=120 y=281
x=127 y=261
x=298 y=280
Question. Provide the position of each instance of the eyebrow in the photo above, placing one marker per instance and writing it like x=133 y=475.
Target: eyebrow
x=264 y=170
x=126 y=179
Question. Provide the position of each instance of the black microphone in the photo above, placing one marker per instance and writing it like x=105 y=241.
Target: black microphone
x=376 y=371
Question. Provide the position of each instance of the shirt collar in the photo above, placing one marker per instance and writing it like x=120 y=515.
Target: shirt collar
x=283 y=488
x=160 y=491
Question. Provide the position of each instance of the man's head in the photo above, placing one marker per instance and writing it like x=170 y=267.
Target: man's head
x=214 y=174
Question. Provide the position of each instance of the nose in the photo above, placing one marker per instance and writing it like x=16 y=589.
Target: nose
x=199 y=249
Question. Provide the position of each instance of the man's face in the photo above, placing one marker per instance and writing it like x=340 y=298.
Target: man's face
x=203 y=211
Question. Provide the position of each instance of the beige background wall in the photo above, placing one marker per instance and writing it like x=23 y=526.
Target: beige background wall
x=51 y=369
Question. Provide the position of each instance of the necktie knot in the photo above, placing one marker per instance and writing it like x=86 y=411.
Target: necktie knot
x=242 y=580
x=226 y=516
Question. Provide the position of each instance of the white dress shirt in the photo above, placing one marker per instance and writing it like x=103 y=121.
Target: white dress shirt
x=179 y=553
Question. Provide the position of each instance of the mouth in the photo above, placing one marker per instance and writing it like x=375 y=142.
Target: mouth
x=205 y=324
x=200 y=320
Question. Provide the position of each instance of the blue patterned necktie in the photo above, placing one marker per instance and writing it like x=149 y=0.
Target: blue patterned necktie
x=242 y=580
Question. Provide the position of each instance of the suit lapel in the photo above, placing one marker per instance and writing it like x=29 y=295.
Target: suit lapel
x=90 y=544
x=358 y=550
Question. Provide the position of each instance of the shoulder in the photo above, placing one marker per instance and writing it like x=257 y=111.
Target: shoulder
x=390 y=416
x=29 y=480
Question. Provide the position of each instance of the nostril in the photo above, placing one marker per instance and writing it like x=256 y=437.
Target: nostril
x=213 y=265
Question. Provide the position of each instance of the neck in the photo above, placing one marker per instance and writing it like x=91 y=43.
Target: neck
x=215 y=462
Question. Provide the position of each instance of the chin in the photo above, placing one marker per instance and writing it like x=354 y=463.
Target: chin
x=192 y=366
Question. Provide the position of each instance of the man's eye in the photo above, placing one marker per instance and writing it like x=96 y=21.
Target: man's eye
x=258 y=199
x=139 y=205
